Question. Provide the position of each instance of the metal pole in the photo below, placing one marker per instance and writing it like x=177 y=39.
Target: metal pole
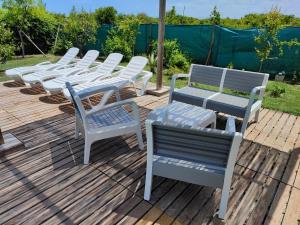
x=160 y=50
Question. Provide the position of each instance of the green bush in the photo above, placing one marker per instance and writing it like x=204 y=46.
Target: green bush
x=276 y=90
x=78 y=30
x=173 y=56
x=7 y=47
x=121 y=38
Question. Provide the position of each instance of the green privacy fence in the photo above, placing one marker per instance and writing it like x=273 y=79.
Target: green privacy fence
x=229 y=46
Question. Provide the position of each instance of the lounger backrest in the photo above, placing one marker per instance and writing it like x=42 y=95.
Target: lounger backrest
x=68 y=57
x=88 y=59
x=134 y=68
x=110 y=63
x=205 y=145
x=206 y=75
x=244 y=81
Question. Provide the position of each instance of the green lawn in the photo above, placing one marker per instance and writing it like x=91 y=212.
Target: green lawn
x=27 y=61
x=288 y=102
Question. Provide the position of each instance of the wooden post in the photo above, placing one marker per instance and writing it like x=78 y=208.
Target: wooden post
x=160 y=50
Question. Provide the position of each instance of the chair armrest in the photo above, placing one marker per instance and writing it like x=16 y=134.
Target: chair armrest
x=230 y=124
x=130 y=102
x=254 y=91
x=95 y=90
x=43 y=63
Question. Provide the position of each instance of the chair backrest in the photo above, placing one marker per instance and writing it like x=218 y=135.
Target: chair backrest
x=88 y=59
x=208 y=75
x=69 y=56
x=203 y=145
x=134 y=68
x=244 y=81
x=79 y=110
x=110 y=63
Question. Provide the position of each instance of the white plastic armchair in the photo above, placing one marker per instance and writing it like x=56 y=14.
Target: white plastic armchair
x=101 y=122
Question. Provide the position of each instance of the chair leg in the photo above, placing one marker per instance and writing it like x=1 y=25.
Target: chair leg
x=148 y=182
x=140 y=137
x=76 y=128
x=256 y=116
x=87 y=150
x=224 y=200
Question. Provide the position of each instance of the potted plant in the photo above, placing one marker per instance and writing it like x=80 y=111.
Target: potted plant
x=280 y=76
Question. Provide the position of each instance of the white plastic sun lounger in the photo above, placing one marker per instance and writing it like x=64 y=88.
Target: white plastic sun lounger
x=17 y=73
x=129 y=75
x=81 y=65
x=102 y=71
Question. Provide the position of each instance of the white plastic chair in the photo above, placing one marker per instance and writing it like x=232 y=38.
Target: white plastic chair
x=17 y=73
x=102 y=71
x=129 y=75
x=101 y=122
x=81 y=65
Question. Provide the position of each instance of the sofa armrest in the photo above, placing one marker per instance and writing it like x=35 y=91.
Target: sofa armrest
x=230 y=124
x=173 y=82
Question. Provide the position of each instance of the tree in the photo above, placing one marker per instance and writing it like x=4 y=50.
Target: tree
x=215 y=16
x=7 y=47
x=79 y=30
x=268 y=44
x=106 y=15
x=30 y=17
x=121 y=38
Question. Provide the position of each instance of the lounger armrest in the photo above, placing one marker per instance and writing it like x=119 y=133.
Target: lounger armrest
x=230 y=124
x=43 y=63
x=145 y=77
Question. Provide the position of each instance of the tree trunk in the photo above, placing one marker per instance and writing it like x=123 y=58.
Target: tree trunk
x=261 y=65
x=22 y=43
x=212 y=41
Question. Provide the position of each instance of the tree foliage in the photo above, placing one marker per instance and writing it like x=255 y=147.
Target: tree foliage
x=7 y=47
x=121 y=38
x=77 y=30
x=106 y=15
x=215 y=17
x=30 y=17
x=268 y=44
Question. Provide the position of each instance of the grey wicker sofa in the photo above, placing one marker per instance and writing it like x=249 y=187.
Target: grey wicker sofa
x=200 y=156
x=222 y=78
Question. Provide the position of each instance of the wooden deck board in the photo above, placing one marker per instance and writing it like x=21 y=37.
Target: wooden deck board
x=46 y=182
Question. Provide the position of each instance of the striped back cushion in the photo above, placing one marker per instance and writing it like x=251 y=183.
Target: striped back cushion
x=110 y=63
x=243 y=81
x=134 y=68
x=203 y=145
x=88 y=59
x=206 y=75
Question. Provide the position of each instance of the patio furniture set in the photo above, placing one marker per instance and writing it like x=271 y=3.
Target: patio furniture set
x=183 y=142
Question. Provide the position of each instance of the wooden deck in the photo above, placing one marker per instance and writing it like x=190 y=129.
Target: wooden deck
x=46 y=182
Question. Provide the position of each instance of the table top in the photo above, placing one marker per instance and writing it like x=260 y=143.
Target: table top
x=183 y=115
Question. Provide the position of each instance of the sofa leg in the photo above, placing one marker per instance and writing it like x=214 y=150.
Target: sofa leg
x=256 y=116
x=148 y=182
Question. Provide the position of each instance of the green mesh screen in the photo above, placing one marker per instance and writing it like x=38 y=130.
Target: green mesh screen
x=230 y=46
